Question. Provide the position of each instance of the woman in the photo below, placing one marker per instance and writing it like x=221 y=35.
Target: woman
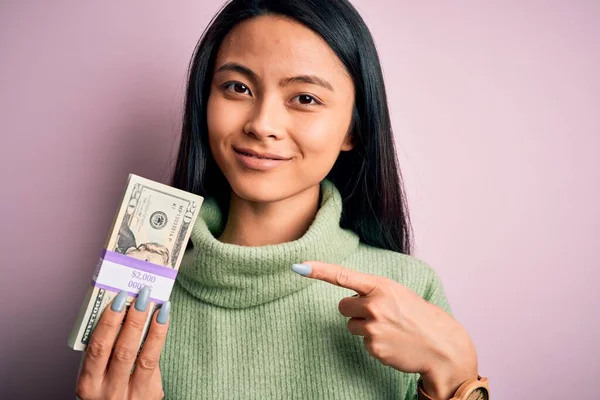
x=287 y=135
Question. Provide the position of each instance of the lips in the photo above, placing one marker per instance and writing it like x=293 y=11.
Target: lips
x=261 y=156
x=255 y=161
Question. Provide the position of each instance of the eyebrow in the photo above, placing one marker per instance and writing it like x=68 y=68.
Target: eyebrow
x=312 y=79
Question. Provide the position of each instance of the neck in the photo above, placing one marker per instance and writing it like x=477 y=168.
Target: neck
x=234 y=276
x=251 y=223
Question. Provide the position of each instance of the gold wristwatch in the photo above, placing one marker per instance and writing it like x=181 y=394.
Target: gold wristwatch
x=473 y=389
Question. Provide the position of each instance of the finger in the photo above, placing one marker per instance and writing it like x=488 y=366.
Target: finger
x=363 y=284
x=126 y=347
x=156 y=388
x=144 y=379
x=354 y=307
x=358 y=327
x=101 y=342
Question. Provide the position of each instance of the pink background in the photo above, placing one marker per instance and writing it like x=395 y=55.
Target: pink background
x=496 y=112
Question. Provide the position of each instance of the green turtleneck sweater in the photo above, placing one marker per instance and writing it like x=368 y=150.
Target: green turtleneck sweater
x=244 y=326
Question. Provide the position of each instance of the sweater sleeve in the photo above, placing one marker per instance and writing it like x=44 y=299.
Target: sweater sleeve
x=411 y=386
x=435 y=294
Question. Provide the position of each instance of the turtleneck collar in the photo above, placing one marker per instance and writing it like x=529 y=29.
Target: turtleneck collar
x=232 y=276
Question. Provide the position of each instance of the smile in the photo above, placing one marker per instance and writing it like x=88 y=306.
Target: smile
x=252 y=153
x=257 y=161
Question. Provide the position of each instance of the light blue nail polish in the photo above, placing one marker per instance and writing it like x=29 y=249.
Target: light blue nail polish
x=118 y=303
x=163 y=314
x=302 y=269
x=141 y=303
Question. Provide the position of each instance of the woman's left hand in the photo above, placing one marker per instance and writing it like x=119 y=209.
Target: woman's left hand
x=402 y=330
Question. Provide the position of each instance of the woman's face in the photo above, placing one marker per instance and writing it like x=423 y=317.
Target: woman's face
x=278 y=91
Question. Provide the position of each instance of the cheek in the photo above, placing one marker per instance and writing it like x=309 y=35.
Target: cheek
x=224 y=116
x=320 y=139
x=218 y=125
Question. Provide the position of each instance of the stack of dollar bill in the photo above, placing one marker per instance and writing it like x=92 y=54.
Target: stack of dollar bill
x=144 y=248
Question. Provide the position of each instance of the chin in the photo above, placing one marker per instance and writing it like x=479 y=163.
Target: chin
x=262 y=188
x=270 y=186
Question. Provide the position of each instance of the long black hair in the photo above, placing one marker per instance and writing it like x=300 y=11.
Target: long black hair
x=368 y=177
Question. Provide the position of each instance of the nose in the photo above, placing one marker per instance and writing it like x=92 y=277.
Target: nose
x=266 y=120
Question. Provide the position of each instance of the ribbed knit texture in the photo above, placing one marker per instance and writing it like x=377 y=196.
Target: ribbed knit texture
x=244 y=326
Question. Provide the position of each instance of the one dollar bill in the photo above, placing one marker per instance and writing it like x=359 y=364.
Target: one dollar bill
x=153 y=224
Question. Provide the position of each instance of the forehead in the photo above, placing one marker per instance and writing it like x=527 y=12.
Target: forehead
x=275 y=45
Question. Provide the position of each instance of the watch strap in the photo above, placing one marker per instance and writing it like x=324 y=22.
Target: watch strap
x=473 y=389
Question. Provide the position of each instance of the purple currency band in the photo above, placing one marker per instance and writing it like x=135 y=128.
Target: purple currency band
x=135 y=264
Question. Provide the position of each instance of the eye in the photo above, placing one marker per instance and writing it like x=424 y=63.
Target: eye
x=307 y=100
x=237 y=87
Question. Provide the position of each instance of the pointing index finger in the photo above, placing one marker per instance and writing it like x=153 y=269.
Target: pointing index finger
x=362 y=283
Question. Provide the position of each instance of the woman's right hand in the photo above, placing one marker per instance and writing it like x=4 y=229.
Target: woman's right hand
x=106 y=369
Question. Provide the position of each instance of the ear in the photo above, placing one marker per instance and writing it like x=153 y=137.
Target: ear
x=347 y=144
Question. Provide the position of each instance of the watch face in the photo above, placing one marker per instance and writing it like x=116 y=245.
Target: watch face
x=479 y=394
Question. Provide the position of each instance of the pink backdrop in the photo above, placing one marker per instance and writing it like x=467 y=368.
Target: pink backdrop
x=495 y=108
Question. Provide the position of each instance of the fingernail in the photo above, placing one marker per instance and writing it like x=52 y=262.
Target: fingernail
x=141 y=303
x=163 y=314
x=118 y=303
x=302 y=269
